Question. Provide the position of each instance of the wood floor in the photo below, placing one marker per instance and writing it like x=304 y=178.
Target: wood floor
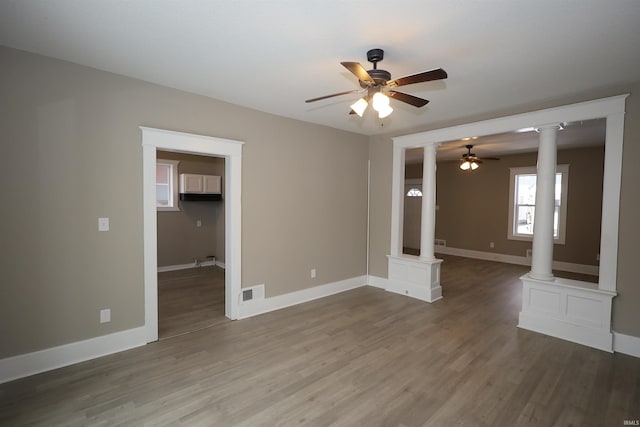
x=190 y=300
x=361 y=358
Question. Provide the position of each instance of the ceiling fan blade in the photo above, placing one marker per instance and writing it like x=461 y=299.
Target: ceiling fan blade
x=409 y=99
x=352 y=112
x=489 y=158
x=359 y=72
x=426 y=76
x=332 y=95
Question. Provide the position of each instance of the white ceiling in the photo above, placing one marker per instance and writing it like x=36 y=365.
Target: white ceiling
x=272 y=55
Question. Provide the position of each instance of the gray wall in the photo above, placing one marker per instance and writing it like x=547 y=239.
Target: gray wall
x=625 y=305
x=72 y=153
x=180 y=240
x=474 y=206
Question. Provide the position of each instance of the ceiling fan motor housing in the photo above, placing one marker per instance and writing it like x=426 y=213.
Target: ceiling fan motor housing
x=375 y=55
x=381 y=77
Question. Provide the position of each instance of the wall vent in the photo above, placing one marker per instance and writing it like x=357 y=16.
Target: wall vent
x=247 y=295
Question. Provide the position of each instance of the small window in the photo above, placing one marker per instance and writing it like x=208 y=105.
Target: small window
x=414 y=192
x=522 y=200
x=167 y=185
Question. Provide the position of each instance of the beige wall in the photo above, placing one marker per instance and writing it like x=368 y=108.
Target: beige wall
x=72 y=153
x=473 y=207
x=180 y=240
x=625 y=318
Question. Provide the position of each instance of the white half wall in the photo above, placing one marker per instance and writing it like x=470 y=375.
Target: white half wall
x=569 y=309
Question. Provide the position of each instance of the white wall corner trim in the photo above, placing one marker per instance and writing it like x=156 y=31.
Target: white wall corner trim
x=591 y=270
x=626 y=344
x=24 y=365
x=261 y=306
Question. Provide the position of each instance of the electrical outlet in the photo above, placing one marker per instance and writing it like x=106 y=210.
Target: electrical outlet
x=199 y=223
x=103 y=224
x=528 y=253
x=105 y=315
x=597 y=257
x=313 y=273
x=492 y=245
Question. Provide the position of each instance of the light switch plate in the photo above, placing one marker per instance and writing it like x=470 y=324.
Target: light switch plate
x=103 y=224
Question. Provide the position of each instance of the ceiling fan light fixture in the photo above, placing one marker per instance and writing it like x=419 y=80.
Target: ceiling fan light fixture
x=474 y=166
x=465 y=166
x=380 y=101
x=385 y=111
x=359 y=106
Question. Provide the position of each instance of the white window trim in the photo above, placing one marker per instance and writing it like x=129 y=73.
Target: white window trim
x=175 y=206
x=562 y=220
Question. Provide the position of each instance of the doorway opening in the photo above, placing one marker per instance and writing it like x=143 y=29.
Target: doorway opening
x=191 y=242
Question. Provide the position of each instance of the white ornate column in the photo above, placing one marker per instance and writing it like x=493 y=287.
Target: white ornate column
x=542 y=251
x=418 y=277
x=428 y=219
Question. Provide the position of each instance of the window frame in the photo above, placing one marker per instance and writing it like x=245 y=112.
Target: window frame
x=174 y=205
x=562 y=211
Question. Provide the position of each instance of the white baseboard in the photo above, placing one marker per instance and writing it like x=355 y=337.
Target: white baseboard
x=24 y=365
x=626 y=344
x=261 y=306
x=592 y=270
x=591 y=337
x=377 y=282
x=190 y=265
x=220 y=264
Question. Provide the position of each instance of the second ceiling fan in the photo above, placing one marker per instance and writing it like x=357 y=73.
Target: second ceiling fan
x=469 y=160
x=377 y=86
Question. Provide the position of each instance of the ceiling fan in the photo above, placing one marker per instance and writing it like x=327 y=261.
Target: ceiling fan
x=469 y=160
x=377 y=86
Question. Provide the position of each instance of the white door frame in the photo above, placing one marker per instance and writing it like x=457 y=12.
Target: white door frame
x=231 y=151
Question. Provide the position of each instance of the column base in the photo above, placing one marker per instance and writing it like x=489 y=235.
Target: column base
x=415 y=277
x=572 y=310
x=544 y=277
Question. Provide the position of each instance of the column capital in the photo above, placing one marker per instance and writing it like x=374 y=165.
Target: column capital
x=556 y=126
x=434 y=144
